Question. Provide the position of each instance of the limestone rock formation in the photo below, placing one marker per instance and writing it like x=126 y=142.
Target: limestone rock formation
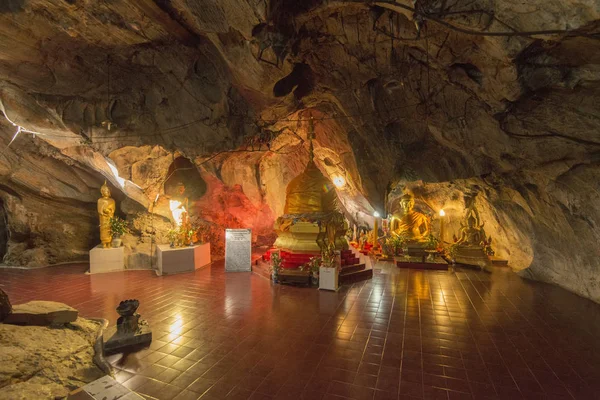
x=488 y=96
x=41 y=313
x=46 y=363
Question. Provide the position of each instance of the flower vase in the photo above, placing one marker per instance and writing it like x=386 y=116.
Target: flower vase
x=314 y=280
x=116 y=241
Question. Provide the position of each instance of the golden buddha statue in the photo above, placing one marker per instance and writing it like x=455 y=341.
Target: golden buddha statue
x=471 y=233
x=179 y=205
x=472 y=247
x=106 y=210
x=412 y=225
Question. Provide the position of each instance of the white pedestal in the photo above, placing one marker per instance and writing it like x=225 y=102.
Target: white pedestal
x=328 y=278
x=182 y=259
x=106 y=260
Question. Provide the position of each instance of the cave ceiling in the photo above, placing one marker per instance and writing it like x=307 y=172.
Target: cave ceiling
x=487 y=93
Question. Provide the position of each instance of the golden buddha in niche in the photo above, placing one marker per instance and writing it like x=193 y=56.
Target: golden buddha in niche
x=471 y=233
x=106 y=210
x=411 y=224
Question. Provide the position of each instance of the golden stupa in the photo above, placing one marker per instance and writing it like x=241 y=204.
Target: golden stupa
x=310 y=192
x=311 y=220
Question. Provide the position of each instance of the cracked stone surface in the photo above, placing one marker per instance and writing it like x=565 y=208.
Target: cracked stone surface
x=448 y=111
x=45 y=363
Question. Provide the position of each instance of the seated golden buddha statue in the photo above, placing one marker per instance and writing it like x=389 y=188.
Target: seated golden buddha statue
x=411 y=225
x=471 y=233
x=472 y=246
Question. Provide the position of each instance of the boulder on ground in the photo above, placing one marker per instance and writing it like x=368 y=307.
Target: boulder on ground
x=41 y=313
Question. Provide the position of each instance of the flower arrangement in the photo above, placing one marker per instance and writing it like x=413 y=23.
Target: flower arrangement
x=275 y=265
x=487 y=246
x=328 y=257
x=397 y=244
x=432 y=242
x=312 y=266
x=172 y=235
x=118 y=226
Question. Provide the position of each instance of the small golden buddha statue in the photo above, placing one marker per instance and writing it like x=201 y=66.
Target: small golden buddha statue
x=411 y=224
x=471 y=233
x=106 y=210
x=472 y=247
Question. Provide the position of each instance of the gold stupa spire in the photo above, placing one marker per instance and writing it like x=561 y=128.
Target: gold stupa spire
x=310 y=192
x=311 y=135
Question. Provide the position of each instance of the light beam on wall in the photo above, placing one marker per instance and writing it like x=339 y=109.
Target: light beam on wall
x=339 y=182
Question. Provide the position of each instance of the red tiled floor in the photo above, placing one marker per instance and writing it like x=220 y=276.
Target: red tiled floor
x=405 y=334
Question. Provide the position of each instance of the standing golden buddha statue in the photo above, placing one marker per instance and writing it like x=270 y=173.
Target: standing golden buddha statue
x=412 y=225
x=106 y=210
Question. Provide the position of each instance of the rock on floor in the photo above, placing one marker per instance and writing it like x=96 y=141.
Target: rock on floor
x=46 y=362
x=41 y=313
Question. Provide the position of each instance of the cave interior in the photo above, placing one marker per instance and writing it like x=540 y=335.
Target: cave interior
x=456 y=102
x=461 y=105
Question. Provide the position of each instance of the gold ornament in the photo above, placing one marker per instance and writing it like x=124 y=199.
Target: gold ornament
x=412 y=225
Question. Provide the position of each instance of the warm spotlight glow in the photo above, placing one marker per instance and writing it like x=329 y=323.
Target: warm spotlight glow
x=376 y=214
x=177 y=211
x=339 y=181
x=442 y=213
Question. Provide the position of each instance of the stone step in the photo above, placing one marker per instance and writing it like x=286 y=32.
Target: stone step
x=438 y=266
x=498 y=262
x=356 y=276
x=262 y=268
x=347 y=269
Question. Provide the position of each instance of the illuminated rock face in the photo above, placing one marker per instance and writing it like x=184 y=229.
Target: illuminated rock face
x=230 y=84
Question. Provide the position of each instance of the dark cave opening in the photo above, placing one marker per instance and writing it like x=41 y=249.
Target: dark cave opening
x=182 y=170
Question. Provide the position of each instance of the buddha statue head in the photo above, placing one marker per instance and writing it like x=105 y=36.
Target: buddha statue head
x=472 y=219
x=407 y=203
x=105 y=190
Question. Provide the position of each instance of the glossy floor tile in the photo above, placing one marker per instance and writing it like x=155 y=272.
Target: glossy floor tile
x=405 y=334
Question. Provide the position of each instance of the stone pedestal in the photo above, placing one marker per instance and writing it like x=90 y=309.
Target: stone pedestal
x=472 y=255
x=329 y=279
x=106 y=260
x=115 y=341
x=300 y=237
x=182 y=259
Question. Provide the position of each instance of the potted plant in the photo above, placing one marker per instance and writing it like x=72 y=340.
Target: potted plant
x=118 y=227
x=313 y=266
x=191 y=236
x=328 y=270
x=172 y=236
x=275 y=266
x=431 y=247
